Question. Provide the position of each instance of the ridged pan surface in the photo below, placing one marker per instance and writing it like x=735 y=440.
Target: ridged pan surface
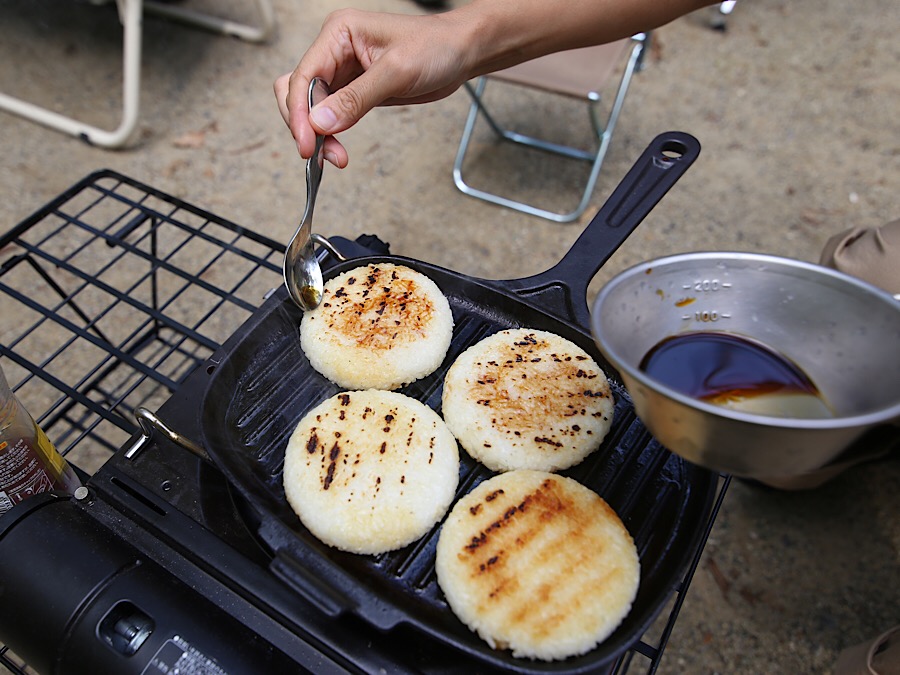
x=262 y=384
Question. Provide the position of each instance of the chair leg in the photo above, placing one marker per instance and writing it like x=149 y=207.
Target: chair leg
x=216 y=24
x=605 y=131
x=719 y=17
x=515 y=137
x=602 y=130
x=475 y=109
x=131 y=16
x=130 y=13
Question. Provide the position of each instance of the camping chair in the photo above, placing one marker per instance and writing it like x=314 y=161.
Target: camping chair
x=720 y=14
x=580 y=73
x=131 y=16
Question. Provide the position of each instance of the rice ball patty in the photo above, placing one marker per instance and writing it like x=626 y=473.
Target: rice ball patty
x=380 y=326
x=370 y=471
x=537 y=563
x=527 y=399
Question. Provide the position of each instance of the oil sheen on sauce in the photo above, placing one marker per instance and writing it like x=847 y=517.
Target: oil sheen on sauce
x=735 y=372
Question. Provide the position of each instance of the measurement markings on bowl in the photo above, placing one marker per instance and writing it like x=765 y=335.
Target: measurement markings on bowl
x=703 y=286
x=706 y=315
x=707 y=285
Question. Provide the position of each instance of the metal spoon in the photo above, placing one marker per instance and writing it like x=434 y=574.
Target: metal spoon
x=302 y=274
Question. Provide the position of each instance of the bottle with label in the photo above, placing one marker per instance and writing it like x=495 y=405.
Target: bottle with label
x=29 y=463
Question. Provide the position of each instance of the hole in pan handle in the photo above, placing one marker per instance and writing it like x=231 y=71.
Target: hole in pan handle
x=654 y=173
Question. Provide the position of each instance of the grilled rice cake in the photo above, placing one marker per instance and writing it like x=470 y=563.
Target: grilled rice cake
x=527 y=399
x=537 y=563
x=370 y=471
x=380 y=326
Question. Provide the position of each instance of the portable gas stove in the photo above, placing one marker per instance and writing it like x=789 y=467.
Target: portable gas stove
x=126 y=298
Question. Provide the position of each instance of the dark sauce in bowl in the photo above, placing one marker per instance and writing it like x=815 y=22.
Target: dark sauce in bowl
x=735 y=372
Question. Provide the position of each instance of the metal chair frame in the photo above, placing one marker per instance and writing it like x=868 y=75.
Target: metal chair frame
x=131 y=14
x=603 y=130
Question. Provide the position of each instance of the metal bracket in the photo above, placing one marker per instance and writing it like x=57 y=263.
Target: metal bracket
x=150 y=423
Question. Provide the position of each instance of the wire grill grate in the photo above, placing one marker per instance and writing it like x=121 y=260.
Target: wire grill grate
x=118 y=293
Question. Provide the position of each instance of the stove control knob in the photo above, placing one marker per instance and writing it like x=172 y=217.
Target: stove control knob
x=125 y=628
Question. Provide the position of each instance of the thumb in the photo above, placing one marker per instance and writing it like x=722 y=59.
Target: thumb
x=349 y=104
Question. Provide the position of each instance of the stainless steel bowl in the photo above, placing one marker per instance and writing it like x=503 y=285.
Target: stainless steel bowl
x=842 y=332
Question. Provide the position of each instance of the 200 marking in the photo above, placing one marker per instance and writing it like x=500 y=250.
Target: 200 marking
x=709 y=285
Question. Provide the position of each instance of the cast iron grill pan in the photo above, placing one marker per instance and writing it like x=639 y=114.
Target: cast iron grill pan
x=261 y=384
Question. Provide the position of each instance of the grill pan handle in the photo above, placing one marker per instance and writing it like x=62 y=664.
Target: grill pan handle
x=328 y=587
x=564 y=286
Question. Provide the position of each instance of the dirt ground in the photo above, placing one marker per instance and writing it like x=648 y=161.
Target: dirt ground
x=795 y=106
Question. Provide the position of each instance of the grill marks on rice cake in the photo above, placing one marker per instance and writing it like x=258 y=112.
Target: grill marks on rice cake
x=537 y=563
x=378 y=307
x=527 y=399
x=521 y=393
x=370 y=471
x=379 y=326
x=533 y=531
x=345 y=459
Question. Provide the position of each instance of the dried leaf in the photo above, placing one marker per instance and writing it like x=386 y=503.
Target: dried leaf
x=719 y=577
x=192 y=140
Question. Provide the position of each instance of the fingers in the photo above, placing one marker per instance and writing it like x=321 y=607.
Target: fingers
x=296 y=103
x=335 y=153
x=288 y=101
x=293 y=109
x=368 y=59
x=281 y=86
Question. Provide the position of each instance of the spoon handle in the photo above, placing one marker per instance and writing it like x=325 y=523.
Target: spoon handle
x=302 y=275
x=318 y=92
x=314 y=168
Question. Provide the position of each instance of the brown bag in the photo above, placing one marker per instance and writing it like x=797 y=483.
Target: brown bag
x=880 y=656
x=871 y=254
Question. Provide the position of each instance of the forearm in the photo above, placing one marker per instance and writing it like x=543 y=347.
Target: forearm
x=373 y=59
x=502 y=33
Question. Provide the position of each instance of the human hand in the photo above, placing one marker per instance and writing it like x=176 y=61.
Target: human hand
x=371 y=59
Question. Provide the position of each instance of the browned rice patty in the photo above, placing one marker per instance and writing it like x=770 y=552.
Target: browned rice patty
x=378 y=327
x=537 y=563
x=370 y=471
x=527 y=399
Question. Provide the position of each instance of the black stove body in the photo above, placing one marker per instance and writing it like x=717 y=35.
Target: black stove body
x=155 y=566
x=161 y=573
